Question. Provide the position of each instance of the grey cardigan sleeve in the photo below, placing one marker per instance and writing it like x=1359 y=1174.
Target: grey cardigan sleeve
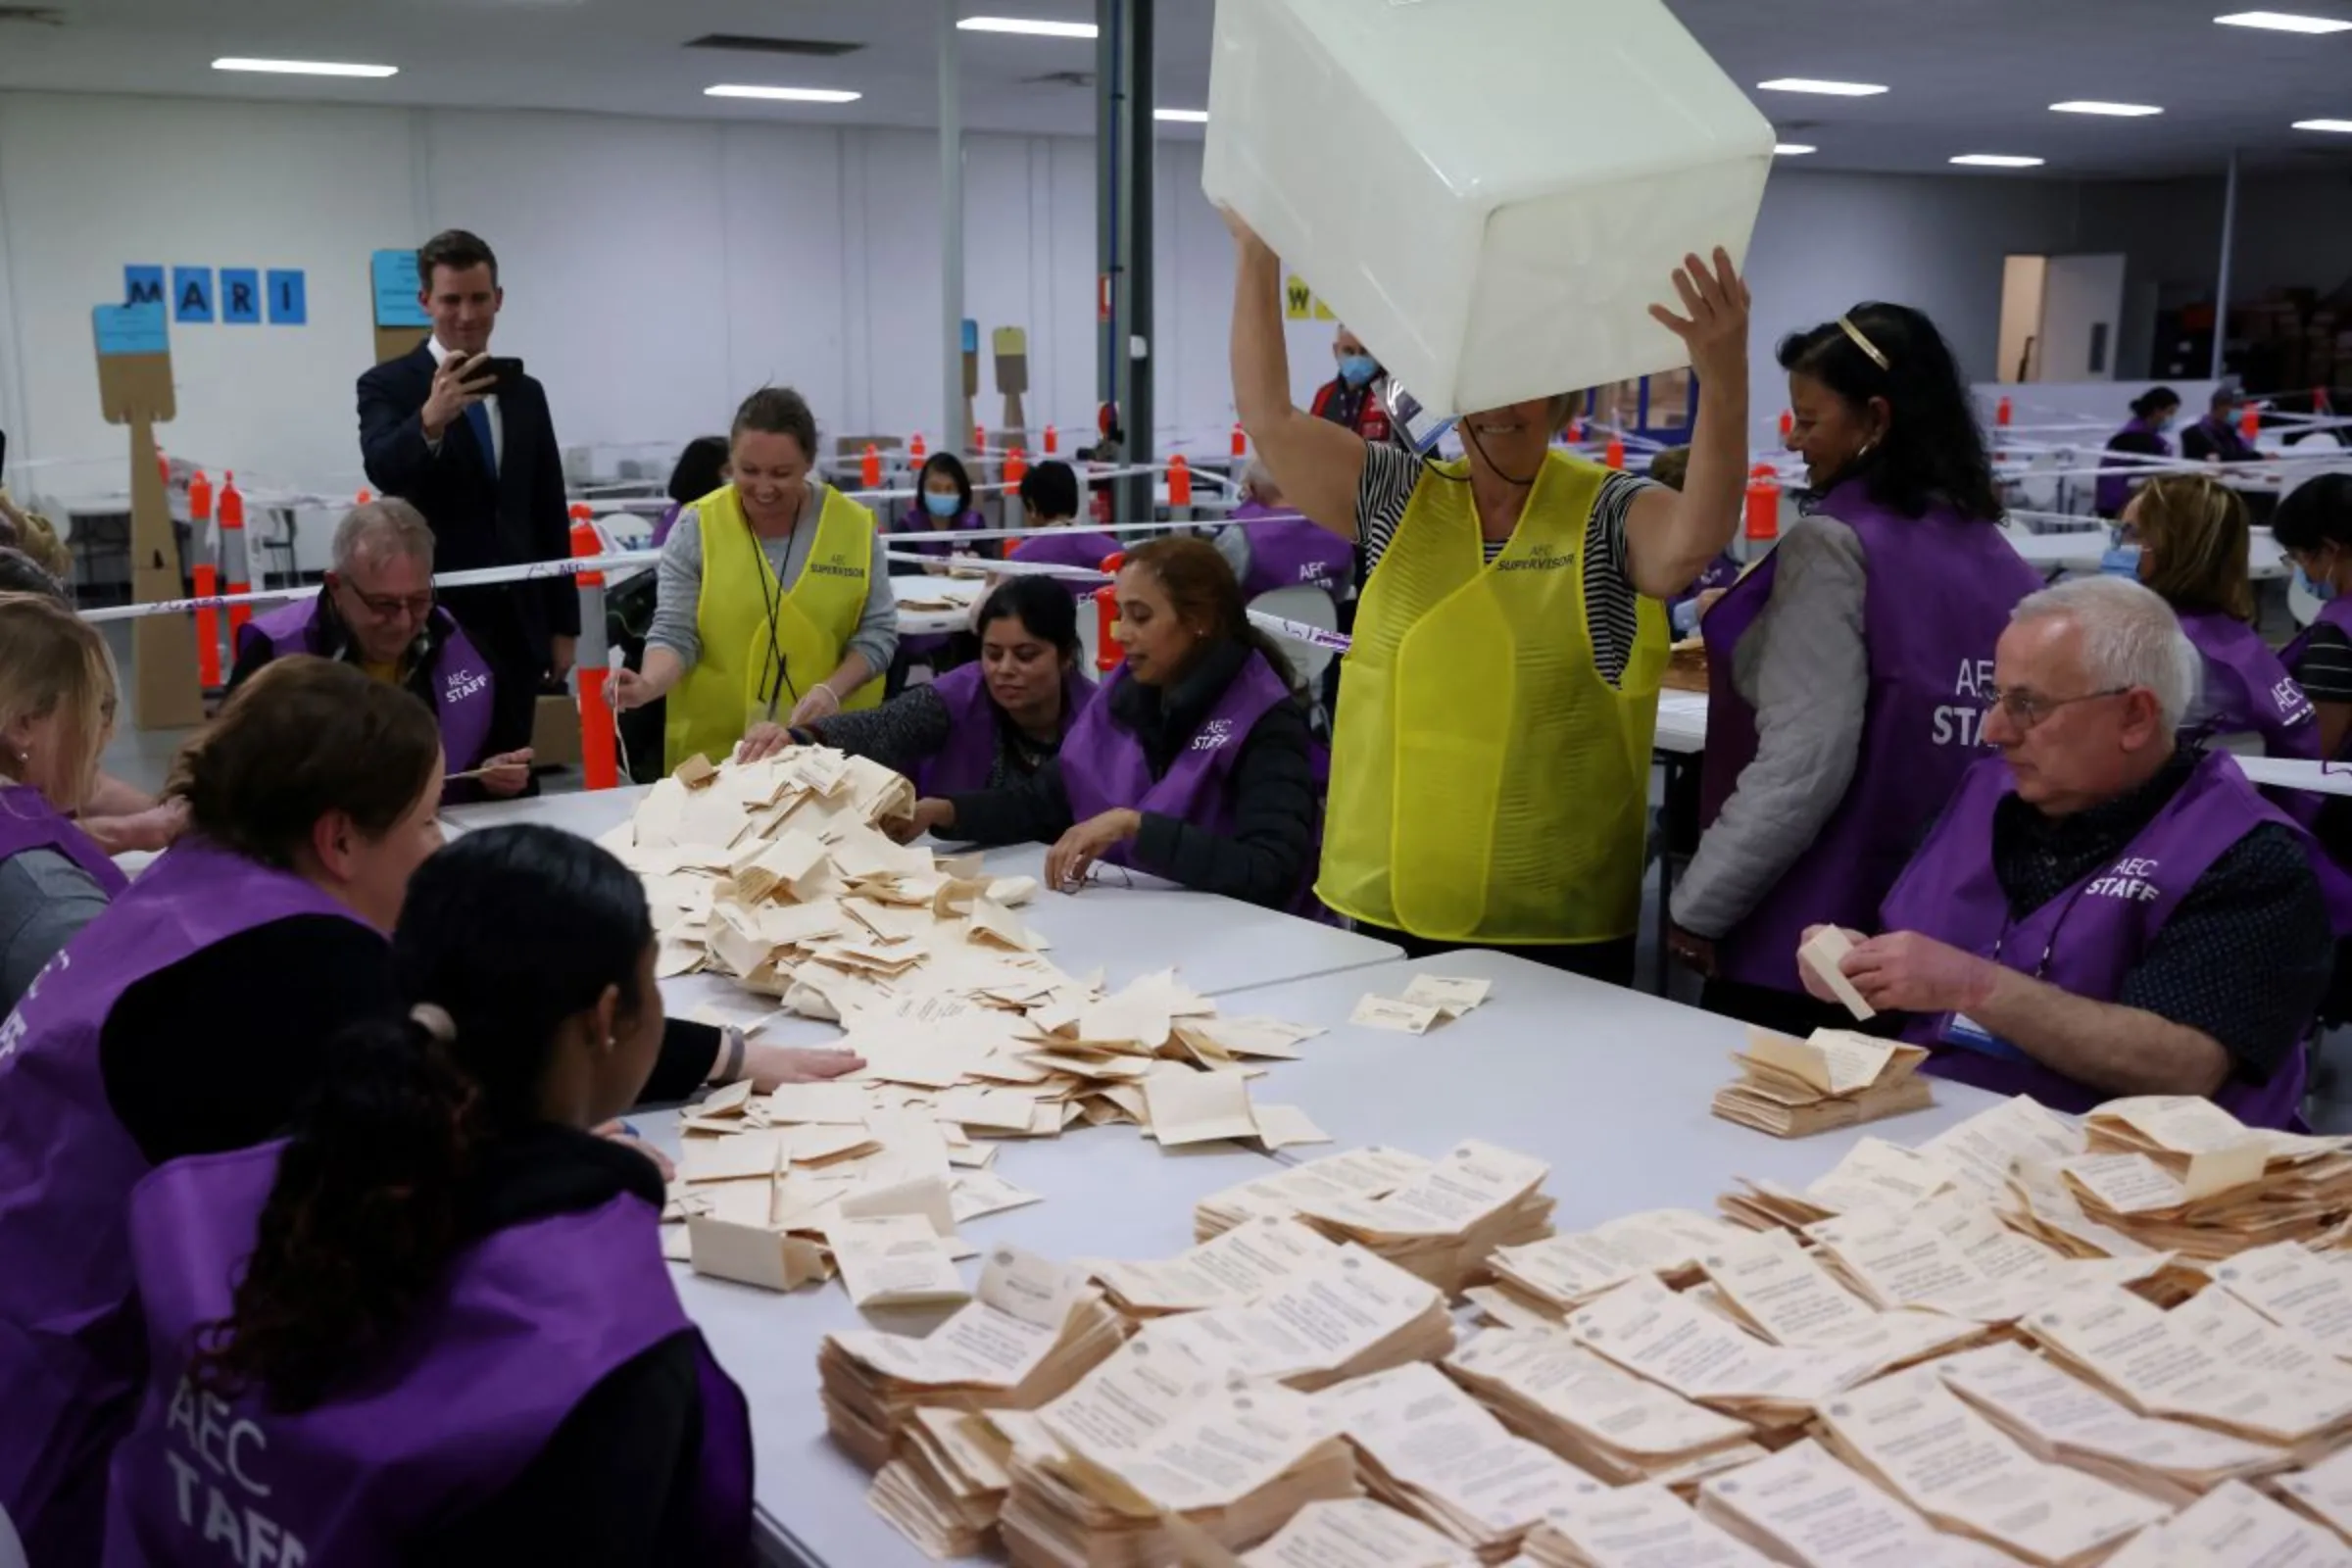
x=877 y=633
x=1805 y=667
x=44 y=899
x=678 y=590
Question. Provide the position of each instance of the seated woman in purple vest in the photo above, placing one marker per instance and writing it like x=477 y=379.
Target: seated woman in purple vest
x=2193 y=544
x=2098 y=912
x=1049 y=500
x=700 y=469
x=451 y=1338
x=1845 y=672
x=2142 y=436
x=2314 y=527
x=57 y=712
x=1270 y=546
x=988 y=725
x=941 y=510
x=1193 y=763
x=376 y=612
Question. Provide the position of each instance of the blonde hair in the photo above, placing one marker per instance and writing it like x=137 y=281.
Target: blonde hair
x=53 y=661
x=2195 y=529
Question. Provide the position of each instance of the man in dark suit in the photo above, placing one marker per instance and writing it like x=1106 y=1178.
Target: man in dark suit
x=477 y=454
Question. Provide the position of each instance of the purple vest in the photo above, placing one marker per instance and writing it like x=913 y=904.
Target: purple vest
x=2113 y=490
x=1070 y=547
x=1292 y=553
x=70 y=1345
x=1723 y=572
x=525 y=1323
x=917 y=530
x=2087 y=940
x=29 y=822
x=2247 y=689
x=970 y=754
x=663 y=523
x=460 y=676
x=1937 y=593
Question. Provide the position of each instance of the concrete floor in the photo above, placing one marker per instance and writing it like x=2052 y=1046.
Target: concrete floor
x=145 y=757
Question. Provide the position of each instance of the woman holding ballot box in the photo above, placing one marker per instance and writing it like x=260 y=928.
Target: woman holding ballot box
x=1846 y=674
x=435 y=1321
x=1194 y=762
x=775 y=599
x=986 y=725
x=1490 y=761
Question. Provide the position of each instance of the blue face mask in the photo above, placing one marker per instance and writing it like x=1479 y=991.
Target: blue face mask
x=2121 y=560
x=1358 y=369
x=2322 y=591
x=939 y=505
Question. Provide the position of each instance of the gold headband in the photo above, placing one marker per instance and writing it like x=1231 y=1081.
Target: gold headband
x=1864 y=344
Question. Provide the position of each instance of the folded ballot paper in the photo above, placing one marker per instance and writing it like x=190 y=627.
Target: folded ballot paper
x=1640 y=1525
x=1358 y=1533
x=2232 y=1526
x=1801 y=1507
x=1834 y=1078
x=1541 y=1283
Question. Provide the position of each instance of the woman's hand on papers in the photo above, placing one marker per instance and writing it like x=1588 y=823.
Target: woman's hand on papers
x=764 y=740
x=930 y=815
x=769 y=1066
x=1903 y=972
x=1070 y=860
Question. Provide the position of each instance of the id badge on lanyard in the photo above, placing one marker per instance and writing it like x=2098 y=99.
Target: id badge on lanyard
x=1964 y=1033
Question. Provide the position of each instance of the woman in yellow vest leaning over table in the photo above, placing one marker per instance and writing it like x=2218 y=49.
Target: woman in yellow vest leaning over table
x=774 y=601
x=1490 y=769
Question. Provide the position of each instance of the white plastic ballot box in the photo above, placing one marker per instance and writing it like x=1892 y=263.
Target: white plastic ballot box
x=1491 y=193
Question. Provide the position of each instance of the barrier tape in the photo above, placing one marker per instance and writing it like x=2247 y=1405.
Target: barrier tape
x=1296 y=630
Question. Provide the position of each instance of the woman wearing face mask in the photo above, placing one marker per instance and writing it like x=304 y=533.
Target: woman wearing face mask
x=2314 y=527
x=1049 y=500
x=1845 y=673
x=57 y=712
x=942 y=509
x=1194 y=762
x=2142 y=436
x=2188 y=539
x=988 y=725
x=438 y=1310
x=775 y=599
x=1351 y=400
x=1490 y=771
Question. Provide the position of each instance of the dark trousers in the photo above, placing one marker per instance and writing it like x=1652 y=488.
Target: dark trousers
x=1791 y=1012
x=494 y=626
x=1609 y=961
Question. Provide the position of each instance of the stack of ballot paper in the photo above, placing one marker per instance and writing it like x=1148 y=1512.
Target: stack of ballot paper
x=1642 y=1526
x=2232 y=1526
x=1801 y=1507
x=1929 y=1448
x=2059 y=1418
x=1955 y=1257
x=1794 y=1088
x=1031 y=1331
x=1773 y=1288
x=1427 y=1448
x=1356 y=1173
x=1339 y=1318
x=946 y=1485
x=1542 y=1282
x=1095 y=1475
x=1356 y=1534
x=2176 y=1173
x=1233 y=1269
x=1442 y=1221
x=2324 y=1492
x=1608 y=1422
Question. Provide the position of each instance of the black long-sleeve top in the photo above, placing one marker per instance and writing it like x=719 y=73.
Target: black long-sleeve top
x=1270 y=853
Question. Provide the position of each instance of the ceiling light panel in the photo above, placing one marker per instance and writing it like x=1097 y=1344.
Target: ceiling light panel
x=1031 y=27
x=1828 y=89
x=1998 y=160
x=303 y=67
x=1792 y=149
x=786 y=95
x=2283 y=22
x=2091 y=106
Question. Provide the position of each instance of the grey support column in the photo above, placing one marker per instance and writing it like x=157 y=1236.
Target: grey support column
x=2221 y=292
x=1123 y=192
x=953 y=429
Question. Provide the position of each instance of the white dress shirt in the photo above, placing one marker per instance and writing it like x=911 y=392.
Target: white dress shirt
x=498 y=425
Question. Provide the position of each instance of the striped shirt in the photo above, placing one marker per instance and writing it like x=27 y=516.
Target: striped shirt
x=1391 y=476
x=2325 y=671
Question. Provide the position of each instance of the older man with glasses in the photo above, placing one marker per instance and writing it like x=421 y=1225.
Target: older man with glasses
x=2097 y=913
x=377 y=611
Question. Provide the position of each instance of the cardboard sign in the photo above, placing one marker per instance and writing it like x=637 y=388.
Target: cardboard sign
x=124 y=330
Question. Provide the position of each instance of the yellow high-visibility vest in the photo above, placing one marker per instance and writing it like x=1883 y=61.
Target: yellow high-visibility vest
x=735 y=682
x=1488 y=784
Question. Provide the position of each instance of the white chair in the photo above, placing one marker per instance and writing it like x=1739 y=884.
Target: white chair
x=1311 y=606
x=2037 y=486
x=11 y=1551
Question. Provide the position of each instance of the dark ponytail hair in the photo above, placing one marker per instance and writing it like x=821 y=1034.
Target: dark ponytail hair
x=506 y=934
x=1934 y=449
x=1202 y=589
x=1040 y=605
x=2154 y=401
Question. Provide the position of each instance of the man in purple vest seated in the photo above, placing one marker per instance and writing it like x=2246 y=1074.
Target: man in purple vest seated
x=377 y=611
x=1270 y=546
x=2099 y=914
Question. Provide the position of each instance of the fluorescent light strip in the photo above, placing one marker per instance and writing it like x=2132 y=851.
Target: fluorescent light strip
x=2342 y=127
x=788 y=95
x=1024 y=24
x=1997 y=161
x=2091 y=106
x=1182 y=117
x=2283 y=22
x=303 y=67
x=1832 y=89
x=1791 y=149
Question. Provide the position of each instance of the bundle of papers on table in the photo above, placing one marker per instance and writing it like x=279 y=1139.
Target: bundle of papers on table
x=2232 y=1526
x=1358 y=1533
x=1834 y=1078
x=1803 y=1506
x=1440 y=1220
x=1634 y=1527
x=1542 y=1282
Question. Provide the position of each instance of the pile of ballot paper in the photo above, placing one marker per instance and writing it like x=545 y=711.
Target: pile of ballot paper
x=1441 y=1220
x=1356 y=1533
x=1803 y=1506
x=1794 y=1088
x=1030 y=1332
x=1633 y=1527
x=1542 y=1282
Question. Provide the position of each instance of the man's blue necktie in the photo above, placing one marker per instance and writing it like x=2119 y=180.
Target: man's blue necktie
x=478 y=418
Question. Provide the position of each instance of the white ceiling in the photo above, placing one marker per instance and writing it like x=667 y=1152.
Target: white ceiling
x=1968 y=75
